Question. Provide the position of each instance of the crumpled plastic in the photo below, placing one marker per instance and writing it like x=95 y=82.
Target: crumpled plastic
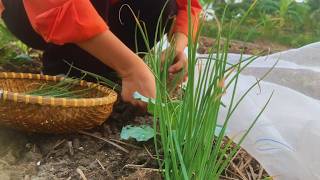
x=286 y=138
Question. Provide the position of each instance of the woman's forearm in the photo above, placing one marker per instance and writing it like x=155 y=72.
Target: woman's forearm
x=181 y=41
x=135 y=74
x=111 y=51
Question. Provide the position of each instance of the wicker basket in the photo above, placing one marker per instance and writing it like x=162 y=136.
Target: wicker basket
x=47 y=114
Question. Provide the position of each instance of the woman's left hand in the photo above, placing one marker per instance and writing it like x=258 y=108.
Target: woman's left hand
x=180 y=62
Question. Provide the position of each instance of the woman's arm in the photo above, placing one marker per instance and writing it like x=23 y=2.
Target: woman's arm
x=135 y=74
x=180 y=62
x=181 y=32
x=182 y=19
x=76 y=21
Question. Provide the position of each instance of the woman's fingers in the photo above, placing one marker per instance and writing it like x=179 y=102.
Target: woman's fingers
x=180 y=63
x=140 y=80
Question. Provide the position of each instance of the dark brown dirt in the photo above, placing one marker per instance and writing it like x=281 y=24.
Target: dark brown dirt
x=260 y=47
x=83 y=155
x=42 y=156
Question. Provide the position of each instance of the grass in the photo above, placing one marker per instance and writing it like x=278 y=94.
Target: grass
x=63 y=89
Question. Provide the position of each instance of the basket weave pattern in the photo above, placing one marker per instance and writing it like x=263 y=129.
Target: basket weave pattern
x=48 y=114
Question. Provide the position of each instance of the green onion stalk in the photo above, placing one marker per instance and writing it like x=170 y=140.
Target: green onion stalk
x=68 y=87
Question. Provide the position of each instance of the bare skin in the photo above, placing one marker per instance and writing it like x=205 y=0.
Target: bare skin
x=180 y=62
x=135 y=74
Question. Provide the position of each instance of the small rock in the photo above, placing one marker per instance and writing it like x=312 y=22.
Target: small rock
x=76 y=143
x=32 y=156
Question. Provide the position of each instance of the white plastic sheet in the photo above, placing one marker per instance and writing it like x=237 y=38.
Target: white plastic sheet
x=286 y=139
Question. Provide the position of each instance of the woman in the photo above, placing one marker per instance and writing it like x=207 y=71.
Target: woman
x=98 y=36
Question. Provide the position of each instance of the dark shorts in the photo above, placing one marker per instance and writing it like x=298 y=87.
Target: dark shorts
x=54 y=56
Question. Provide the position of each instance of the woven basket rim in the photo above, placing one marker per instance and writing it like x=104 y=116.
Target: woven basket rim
x=53 y=101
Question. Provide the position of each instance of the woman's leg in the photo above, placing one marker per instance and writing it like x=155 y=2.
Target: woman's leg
x=123 y=25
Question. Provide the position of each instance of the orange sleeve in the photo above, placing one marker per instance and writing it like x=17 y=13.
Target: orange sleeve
x=64 y=21
x=1 y=8
x=182 y=16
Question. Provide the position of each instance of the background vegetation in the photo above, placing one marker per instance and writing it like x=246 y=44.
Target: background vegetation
x=11 y=49
x=285 y=22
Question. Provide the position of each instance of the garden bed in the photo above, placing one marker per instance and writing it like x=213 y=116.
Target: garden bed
x=39 y=156
x=89 y=155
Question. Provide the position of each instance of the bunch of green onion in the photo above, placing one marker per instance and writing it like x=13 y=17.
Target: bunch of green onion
x=69 y=87
x=186 y=141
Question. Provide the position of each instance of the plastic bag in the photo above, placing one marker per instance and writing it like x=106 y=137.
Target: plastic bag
x=286 y=139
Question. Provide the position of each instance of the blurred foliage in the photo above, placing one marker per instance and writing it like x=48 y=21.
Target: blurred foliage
x=5 y=35
x=12 y=50
x=283 y=21
x=314 y=4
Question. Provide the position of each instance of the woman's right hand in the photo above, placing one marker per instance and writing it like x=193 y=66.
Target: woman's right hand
x=141 y=80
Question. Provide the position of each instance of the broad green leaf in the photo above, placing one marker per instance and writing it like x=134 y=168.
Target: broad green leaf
x=139 y=133
x=173 y=105
x=23 y=57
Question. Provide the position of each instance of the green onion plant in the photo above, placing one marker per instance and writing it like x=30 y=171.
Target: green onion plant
x=186 y=127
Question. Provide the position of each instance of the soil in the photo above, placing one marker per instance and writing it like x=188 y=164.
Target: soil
x=259 y=47
x=87 y=155
x=43 y=156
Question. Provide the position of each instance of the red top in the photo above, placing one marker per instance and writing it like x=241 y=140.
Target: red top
x=68 y=21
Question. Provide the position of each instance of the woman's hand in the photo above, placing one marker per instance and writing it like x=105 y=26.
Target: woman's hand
x=180 y=62
x=140 y=79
